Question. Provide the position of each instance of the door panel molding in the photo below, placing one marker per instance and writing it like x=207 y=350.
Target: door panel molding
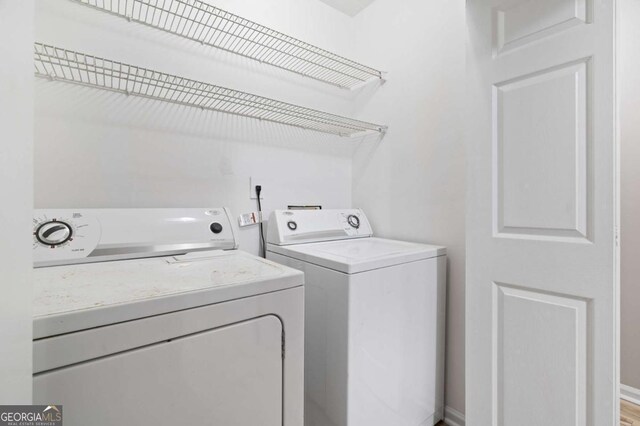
x=519 y=313
x=518 y=23
x=541 y=160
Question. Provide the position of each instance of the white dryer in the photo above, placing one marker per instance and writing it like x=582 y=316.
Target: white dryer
x=374 y=321
x=151 y=317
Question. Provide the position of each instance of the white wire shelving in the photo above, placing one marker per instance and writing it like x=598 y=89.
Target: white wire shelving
x=61 y=64
x=209 y=25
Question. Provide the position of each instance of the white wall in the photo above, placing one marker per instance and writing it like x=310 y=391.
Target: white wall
x=411 y=184
x=101 y=149
x=629 y=69
x=16 y=122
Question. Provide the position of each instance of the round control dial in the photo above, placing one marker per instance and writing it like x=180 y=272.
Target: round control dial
x=216 y=228
x=354 y=221
x=292 y=225
x=54 y=233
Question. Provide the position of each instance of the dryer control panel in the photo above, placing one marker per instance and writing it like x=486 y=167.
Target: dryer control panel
x=67 y=236
x=309 y=226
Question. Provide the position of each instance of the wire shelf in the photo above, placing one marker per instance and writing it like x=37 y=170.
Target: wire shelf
x=74 y=67
x=209 y=25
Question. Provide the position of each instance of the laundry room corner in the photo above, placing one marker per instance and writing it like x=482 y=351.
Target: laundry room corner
x=412 y=182
x=111 y=150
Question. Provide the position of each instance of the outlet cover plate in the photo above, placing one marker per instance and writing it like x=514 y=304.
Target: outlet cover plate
x=253 y=181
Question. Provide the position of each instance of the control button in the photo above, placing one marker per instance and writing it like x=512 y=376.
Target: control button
x=354 y=221
x=216 y=228
x=292 y=225
x=54 y=233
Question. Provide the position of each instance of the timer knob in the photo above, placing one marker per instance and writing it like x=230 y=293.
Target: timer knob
x=354 y=221
x=54 y=233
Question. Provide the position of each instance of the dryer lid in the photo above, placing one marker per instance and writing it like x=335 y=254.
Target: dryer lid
x=75 y=297
x=359 y=255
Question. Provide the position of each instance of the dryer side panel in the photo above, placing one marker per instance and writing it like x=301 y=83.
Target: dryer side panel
x=326 y=366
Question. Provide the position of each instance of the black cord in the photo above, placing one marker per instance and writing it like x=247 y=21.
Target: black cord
x=263 y=248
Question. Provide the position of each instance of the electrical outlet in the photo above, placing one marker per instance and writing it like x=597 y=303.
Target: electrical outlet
x=253 y=181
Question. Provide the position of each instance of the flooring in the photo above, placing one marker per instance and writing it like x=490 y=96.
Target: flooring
x=629 y=414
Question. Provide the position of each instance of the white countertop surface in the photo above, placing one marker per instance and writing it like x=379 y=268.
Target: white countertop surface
x=75 y=297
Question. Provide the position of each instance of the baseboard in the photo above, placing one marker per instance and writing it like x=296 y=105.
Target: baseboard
x=453 y=417
x=630 y=394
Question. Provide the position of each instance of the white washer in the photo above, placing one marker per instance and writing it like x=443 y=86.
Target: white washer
x=374 y=322
x=198 y=334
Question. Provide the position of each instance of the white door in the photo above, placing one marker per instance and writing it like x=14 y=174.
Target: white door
x=541 y=300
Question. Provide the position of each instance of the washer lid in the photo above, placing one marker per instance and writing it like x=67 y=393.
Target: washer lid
x=75 y=297
x=359 y=255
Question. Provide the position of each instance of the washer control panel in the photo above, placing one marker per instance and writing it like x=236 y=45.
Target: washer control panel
x=307 y=226
x=67 y=236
